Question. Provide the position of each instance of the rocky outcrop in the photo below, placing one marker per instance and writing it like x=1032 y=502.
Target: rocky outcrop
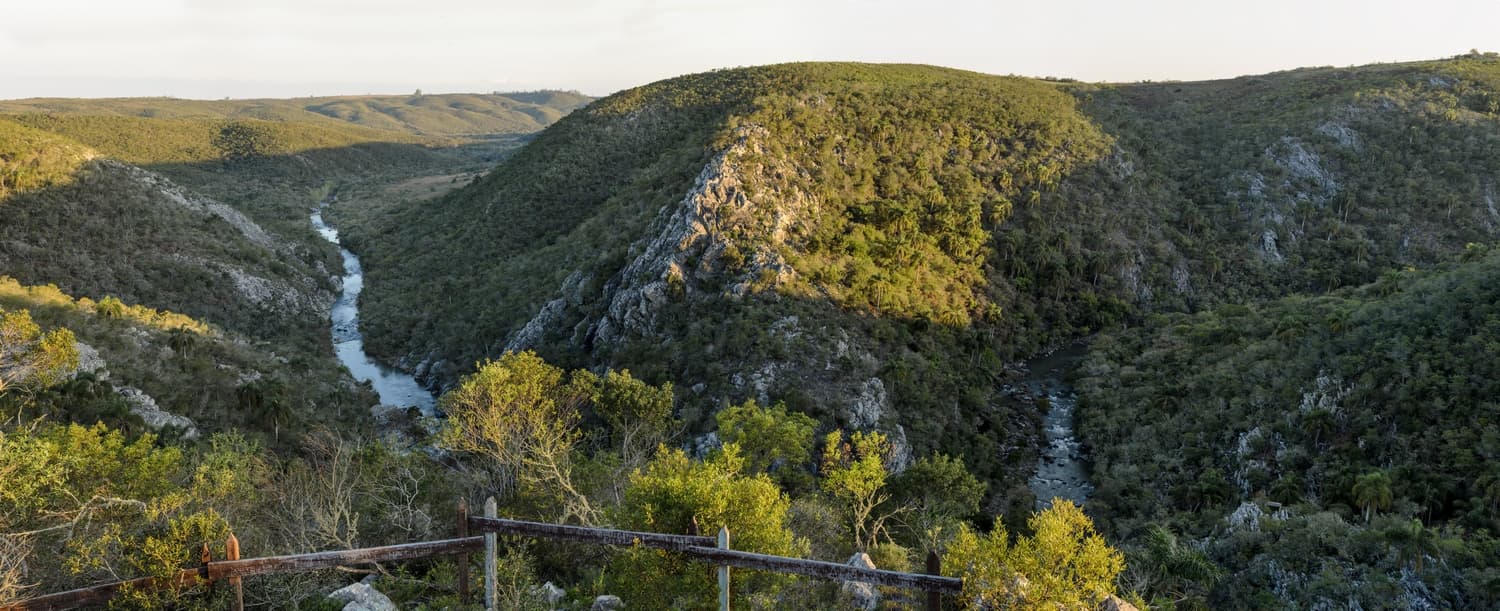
x=142 y=405
x=362 y=597
x=197 y=203
x=692 y=228
x=607 y=602
x=860 y=595
x=89 y=362
x=550 y=594
x=1115 y=603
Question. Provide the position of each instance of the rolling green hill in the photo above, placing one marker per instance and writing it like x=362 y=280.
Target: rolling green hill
x=873 y=243
x=834 y=204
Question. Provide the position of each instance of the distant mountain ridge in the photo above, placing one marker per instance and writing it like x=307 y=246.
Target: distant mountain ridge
x=425 y=115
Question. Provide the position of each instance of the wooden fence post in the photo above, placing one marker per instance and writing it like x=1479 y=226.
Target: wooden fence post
x=489 y=557
x=463 y=559
x=232 y=552
x=723 y=571
x=934 y=567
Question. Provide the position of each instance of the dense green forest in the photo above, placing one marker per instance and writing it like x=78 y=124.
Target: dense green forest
x=1336 y=447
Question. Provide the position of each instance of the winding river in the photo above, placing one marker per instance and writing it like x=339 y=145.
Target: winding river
x=394 y=386
x=1061 y=471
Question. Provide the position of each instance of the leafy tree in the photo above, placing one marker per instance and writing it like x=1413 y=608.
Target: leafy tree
x=100 y=507
x=242 y=140
x=854 y=474
x=1169 y=571
x=1065 y=564
x=639 y=415
x=519 y=415
x=940 y=492
x=767 y=436
x=30 y=359
x=1414 y=541
x=675 y=494
x=1372 y=492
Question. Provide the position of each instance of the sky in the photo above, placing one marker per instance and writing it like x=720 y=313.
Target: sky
x=290 y=48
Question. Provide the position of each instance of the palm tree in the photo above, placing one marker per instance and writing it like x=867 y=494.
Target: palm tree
x=267 y=398
x=1317 y=423
x=1414 y=542
x=1372 y=491
x=1488 y=486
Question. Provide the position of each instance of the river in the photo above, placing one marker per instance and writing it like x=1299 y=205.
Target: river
x=394 y=386
x=1061 y=471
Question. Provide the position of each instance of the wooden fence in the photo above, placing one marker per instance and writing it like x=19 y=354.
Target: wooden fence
x=708 y=550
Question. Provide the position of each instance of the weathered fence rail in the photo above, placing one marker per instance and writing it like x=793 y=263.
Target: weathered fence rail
x=213 y=571
x=708 y=550
x=704 y=549
x=711 y=550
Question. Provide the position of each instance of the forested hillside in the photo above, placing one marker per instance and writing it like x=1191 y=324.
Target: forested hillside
x=1341 y=447
x=873 y=243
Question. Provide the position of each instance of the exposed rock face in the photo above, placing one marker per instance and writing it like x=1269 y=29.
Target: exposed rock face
x=861 y=595
x=141 y=404
x=705 y=443
x=607 y=602
x=1340 y=131
x=551 y=593
x=198 y=203
x=90 y=362
x=697 y=228
x=1115 y=603
x=696 y=253
x=1327 y=392
x=867 y=408
x=1246 y=517
x=362 y=597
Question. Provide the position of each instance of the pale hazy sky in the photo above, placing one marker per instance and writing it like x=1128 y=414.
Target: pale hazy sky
x=286 y=48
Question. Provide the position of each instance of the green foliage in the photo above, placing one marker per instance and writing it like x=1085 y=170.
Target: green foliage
x=854 y=474
x=243 y=140
x=1064 y=564
x=188 y=367
x=1372 y=492
x=940 y=494
x=519 y=415
x=675 y=494
x=1358 y=403
x=107 y=506
x=30 y=359
x=772 y=439
x=639 y=415
x=33 y=159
